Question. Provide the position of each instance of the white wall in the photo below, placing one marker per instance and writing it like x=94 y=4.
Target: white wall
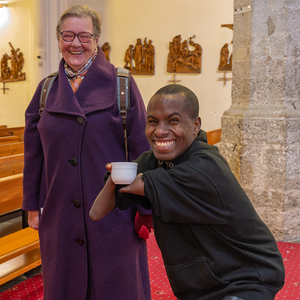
x=16 y=29
x=32 y=28
x=160 y=21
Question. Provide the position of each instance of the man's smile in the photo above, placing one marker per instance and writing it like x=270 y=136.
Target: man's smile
x=164 y=145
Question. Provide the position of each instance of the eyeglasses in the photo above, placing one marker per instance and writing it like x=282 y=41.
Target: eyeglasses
x=83 y=37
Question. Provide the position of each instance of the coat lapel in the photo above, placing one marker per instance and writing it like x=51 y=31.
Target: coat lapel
x=96 y=92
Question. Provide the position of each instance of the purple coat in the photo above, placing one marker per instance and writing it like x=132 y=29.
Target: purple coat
x=65 y=155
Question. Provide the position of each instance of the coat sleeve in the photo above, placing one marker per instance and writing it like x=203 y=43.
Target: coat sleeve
x=184 y=195
x=33 y=155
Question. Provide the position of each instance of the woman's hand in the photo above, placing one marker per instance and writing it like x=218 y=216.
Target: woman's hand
x=33 y=219
x=136 y=187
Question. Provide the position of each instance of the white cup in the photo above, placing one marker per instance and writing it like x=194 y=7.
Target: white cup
x=123 y=172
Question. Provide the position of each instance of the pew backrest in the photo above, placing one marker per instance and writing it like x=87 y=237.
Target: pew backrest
x=213 y=136
x=16 y=131
x=11 y=165
x=11 y=193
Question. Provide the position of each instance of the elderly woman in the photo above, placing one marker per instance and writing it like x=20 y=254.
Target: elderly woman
x=66 y=150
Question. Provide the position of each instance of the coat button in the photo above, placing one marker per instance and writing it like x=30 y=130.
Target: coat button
x=73 y=161
x=80 y=120
x=77 y=203
x=80 y=242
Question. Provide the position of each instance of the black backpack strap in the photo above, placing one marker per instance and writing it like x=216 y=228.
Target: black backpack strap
x=46 y=89
x=123 y=99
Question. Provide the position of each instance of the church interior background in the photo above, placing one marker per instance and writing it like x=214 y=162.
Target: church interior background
x=30 y=26
x=261 y=143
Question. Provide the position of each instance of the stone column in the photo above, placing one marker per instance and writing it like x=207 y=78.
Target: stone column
x=261 y=130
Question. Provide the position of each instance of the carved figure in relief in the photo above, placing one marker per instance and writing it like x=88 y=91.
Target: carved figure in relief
x=5 y=70
x=181 y=59
x=146 y=54
x=14 y=72
x=14 y=60
x=176 y=43
x=138 y=55
x=128 y=58
x=106 y=50
x=21 y=61
x=225 y=64
x=142 y=55
x=151 y=53
x=184 y=49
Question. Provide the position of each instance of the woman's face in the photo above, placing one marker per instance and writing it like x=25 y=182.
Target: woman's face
x=76 y=54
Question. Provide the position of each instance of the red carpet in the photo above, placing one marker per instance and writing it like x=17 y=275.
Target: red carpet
x=32 y=288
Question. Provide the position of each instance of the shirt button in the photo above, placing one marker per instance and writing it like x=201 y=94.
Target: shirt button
x=77 y=203
x=80 y=242
x=73 y=161
x=80 y=120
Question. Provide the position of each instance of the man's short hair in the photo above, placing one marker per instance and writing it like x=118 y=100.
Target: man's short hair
x=191 y=103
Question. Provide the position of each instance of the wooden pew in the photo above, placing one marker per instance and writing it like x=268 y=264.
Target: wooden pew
x=3 y=126
x=19 y=253
x=11 y=149
x=11 y=165
x=213 y=136
x=11 y=193
x=17 y=131
x=9 y=139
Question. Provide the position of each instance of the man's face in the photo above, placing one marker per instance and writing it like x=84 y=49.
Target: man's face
x=169 y=130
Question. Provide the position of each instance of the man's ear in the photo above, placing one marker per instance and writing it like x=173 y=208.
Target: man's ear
x=197 y=126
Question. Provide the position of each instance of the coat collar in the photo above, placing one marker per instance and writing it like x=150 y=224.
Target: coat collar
x=96 y=92
x=199 y=143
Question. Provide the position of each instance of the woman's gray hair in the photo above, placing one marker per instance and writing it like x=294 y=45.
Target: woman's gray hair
x=81 y=11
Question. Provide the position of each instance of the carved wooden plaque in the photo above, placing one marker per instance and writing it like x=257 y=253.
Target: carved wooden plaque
x=12 y=66
x=139 y=59
x=225 y=60
x=184 y=57
x=225 y=63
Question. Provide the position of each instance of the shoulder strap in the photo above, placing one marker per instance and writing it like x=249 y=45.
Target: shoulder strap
x=123 y=96
x=46 y=89
x=123 y=99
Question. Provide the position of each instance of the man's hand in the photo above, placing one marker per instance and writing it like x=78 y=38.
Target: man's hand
x=136 y=187
x=33 y=219
x=105 y=201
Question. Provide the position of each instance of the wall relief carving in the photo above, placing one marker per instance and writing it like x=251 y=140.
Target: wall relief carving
x=225 y=63
x=139 y=59
x=184 y=57
x=12 y=66
x=106 y=50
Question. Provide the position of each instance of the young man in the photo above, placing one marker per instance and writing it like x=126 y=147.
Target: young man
x=213 y=243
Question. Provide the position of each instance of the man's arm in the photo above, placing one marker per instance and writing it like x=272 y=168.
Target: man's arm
x=136 y=187
x=105 y=201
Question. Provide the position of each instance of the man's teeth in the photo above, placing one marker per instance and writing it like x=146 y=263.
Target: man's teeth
x=72 y=52
x=164 y=144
